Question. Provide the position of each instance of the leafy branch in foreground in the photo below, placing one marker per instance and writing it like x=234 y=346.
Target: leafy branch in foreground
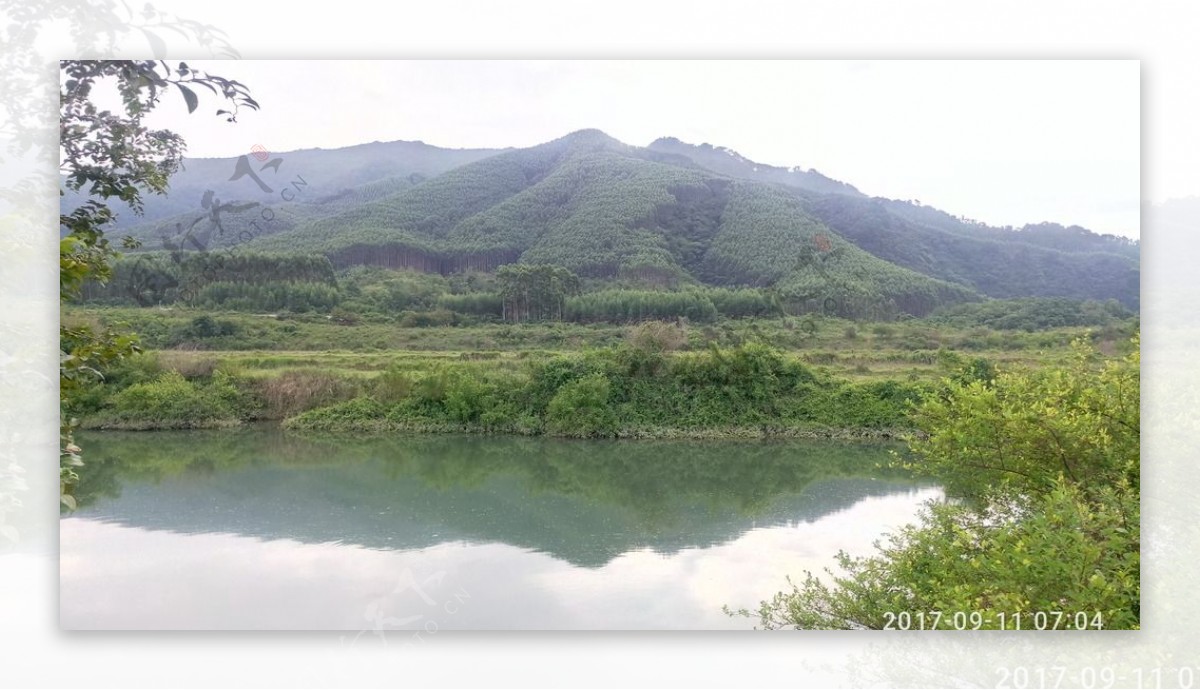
x=1043 y=467
x=112 y=155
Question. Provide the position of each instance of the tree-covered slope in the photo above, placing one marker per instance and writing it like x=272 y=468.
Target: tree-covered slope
x=606 y=210
x=1000 y=262
x=666 y=215
x=985 y=261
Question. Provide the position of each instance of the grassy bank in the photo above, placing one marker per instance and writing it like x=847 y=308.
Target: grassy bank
x=625 y=391
x=743 y=379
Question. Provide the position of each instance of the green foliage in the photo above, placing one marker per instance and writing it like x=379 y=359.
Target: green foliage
x=769 y=238
x=535 y=292
x=581 y=408
x=84 y=353
x=467 y=397
x=171 y=401
x=603 y=210
x=665 y=216
x=741 y=302
x=1059 y=553
x=1032 y=314
x=425 y=319
x=241 y=281
x=392 y=386
x=658 y=336
x=631 y=306
x=1016 y=435
x=204 y=326
x=636 y=389
x=996 y=262
x=1048 y=464
x=475 y=304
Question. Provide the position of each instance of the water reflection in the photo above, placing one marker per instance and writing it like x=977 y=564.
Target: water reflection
x=257 y=529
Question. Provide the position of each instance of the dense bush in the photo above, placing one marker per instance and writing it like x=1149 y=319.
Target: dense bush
x=1048 y=463
x=171 y=401
x=632 y=390
x=581 y=408
x=1032 y=314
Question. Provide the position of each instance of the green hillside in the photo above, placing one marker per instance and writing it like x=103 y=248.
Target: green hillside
x=605 y=210
x=1042 y=259
x=987 y=261
x=667 y=216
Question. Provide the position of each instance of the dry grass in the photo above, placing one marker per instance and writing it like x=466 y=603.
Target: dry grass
x=293 y=392
x=189 y=365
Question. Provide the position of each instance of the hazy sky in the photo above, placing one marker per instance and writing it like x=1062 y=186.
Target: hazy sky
x=1005 y=142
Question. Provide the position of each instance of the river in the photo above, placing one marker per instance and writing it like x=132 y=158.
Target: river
x=395 y=538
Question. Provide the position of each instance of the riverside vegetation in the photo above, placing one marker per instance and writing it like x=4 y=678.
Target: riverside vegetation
x=400 y=350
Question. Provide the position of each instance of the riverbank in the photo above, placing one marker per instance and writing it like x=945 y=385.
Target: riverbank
x=653 y=380
x=627 y=391
x=659 y=433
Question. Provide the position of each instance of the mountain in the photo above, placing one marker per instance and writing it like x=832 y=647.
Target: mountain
x=670 y=214
x=1038 y=260
x=321 y=180
x=605 y=209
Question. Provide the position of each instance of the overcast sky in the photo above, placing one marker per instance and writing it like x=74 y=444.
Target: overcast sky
x=1005 y=142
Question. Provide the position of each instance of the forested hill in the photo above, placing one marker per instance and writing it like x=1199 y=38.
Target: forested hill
x=668 y=215
x=996 y=261
x=1049 y=235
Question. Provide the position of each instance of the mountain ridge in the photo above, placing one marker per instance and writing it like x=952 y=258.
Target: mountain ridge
x=669 y=214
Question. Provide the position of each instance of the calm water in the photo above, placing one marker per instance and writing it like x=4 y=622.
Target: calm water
x=257 y=529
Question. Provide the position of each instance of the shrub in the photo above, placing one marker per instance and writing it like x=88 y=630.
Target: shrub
x=172 y=400
x=1049 y=464
x=658 y=336
x=392 y=386
x=344 y=317
x=580 y=408
x=188 y=364
x=467 y=397
x=425 y=319
x=139 y=368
